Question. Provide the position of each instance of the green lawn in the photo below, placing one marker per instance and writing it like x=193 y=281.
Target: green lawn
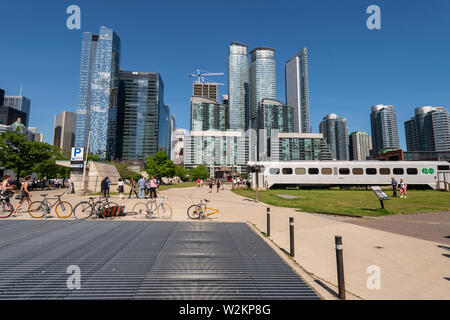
x=354 y=202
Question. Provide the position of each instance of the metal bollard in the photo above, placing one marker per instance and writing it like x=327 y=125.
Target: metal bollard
x=268 y=222
x=340 y=266
x=291 y=235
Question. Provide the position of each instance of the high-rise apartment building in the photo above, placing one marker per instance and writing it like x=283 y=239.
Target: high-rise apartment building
x=262 y=80
x=297 y=89
x=20 y=103
x=97 y=100
x=335 y=132
x=238 y=86
x=178 y=146
x=64 y=130
x=360 y=146
x=143 y=120
x=383 y=120
x=205 y=90
x=208 y=114
x=428 y=130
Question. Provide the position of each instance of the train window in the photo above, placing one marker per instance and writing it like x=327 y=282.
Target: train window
x=411 y=171
x=385 y=171
x=371 y=171
x=274 y=171
x=327 y=171
x=443 y=168
x=286 y=170
x=399 y=171
x=358 y=171
x=300 y=171
x=344 y=171
x=313 y=171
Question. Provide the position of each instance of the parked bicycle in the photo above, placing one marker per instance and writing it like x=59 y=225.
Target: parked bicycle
x=200 y=211
x=38 y=209
x=92 y=209
x=6 y=208
x=153 y=209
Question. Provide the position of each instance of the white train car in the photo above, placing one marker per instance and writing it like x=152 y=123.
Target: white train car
x=349 y=173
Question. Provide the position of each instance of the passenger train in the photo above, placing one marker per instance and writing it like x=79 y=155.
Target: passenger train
x=350 y=173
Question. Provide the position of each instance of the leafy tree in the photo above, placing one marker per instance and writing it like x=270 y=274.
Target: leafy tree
x=199 y=172
x=50 y=169
x=181 y=172
x=160 y=166
x=20 y=155
x=125 y=172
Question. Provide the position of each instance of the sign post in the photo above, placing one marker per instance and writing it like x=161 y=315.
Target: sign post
x=380 y=194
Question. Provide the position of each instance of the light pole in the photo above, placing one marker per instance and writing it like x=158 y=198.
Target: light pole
x=85 y=163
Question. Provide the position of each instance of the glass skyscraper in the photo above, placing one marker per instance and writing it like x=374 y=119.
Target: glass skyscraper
x=335 y=132
x=207 y=114
x=238 y=81
x=19 y=103
x=383 y=120
x=97 y=100
x=297 y=89
x=262 y=80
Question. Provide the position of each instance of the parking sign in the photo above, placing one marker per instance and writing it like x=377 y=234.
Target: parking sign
x=77 y=154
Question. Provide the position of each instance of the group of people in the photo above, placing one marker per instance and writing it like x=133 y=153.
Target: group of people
x=145 y=187
x=236 y=182
x=24 y=193
x=402 y=185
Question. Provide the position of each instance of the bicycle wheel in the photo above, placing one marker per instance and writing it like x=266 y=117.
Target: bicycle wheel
x=83 y=210
x=140 y=210
x=64 y=209
x=36 y=209
x=164 y=211
x=6 y=209
x=194 y=211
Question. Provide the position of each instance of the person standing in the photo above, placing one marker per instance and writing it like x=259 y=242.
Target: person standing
x=218 y=184
x=141 y=185
x=198 y=183
x=133 y=189
x=120 y=188
x=210 y=183
x=403 y=186
x=394 y=184
x=104 y=187
x=24 y=193
x=108 y=185
x=153 y=186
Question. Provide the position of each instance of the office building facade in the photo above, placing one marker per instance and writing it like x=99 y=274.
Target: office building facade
x=97 y=100
x=20 y=103
x=9 y=115
x=335 y=133
x=64 y=130
x=208 y=114
x=178 y=146
x=2 y=97
x=383 y=121
x=360 y=145
x=238 y=86
x=297 y=90
x=428 y=130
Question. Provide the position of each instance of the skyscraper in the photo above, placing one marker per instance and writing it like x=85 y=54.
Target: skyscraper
x=64 y=130
x=205 y=90
x=97 y=100
x=20 y=103
x=383 y=120
x=262 y=81
x=238 y=81
x=335 y=132
x=360 y=145
x=2 y=97
x=208 y=114
x=297 y=89
x=428 y=130
x=143 y=120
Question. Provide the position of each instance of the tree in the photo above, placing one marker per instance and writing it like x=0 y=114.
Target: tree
x=160 y=166
x=20 y=155
x=199 y=172
x=125 y=172
x=181 y=172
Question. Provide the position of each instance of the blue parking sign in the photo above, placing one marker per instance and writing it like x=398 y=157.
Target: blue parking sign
x=77 y=154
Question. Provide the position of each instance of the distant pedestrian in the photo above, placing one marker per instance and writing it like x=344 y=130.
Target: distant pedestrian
x=24 y=194
x=210 y=183
x=120 y=188
x=218 y=184
x=133 y=189
x=103 y=187
x=394 y=184
x=403 y=186
x=198 y=183
x=141 y=185
x=153 y=185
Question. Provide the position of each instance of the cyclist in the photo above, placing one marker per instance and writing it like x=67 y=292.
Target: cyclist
x=24 y=193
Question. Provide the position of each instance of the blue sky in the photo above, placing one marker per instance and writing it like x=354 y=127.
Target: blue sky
x=351 y=68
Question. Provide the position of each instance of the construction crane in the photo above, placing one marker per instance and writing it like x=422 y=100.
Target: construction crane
x=201 y=74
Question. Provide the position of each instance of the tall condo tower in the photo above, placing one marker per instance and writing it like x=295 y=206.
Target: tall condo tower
x=297 y=90
x=335 y=132
x=383 y=120
x=238 y=91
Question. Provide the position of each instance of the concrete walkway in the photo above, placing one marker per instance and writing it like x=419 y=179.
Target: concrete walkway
x=410 y=268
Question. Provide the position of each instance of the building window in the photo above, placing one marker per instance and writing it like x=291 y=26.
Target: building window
x=371 y=171
x=358 y=171
x=412 y=171
x=287 y=171
x=300 y=171
x=385 y=171
x=327 y=171
x=399 y=171
x=274 y=171
x=313 y=171
x=344 y=171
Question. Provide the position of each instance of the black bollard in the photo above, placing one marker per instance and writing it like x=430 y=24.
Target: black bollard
x=291 y=235
x=268 y=222
x=340 y=266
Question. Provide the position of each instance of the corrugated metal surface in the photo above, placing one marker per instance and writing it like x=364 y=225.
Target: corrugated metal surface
x=142 y=260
